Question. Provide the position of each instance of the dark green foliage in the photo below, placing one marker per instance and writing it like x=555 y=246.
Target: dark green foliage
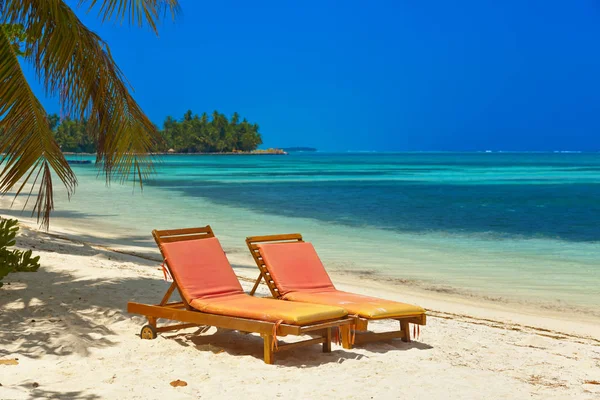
x=12 y=260
x=73 y=136
x=204 y=134
x=191 y=134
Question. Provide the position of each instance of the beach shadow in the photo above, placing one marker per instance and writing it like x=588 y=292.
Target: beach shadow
x=144 y=244
x=39 y=393
x=85 y=245
x=240 y=344
x=39 y=311
x=18 y=213
x=385 y=346
x=33 y=328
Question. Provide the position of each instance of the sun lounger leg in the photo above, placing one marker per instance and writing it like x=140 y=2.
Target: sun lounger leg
x=268 y=348
x=345 y=332
x=327 y=342
x=405 y=328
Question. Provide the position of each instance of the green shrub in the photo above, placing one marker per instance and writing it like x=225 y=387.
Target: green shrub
x=12 y=260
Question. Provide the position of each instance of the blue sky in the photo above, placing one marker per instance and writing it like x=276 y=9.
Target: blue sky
x=382 y=75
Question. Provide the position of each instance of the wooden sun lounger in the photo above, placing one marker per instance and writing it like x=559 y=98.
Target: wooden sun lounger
x=417 y=317
x=188 y=316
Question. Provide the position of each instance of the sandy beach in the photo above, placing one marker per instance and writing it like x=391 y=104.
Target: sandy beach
x=68 y=329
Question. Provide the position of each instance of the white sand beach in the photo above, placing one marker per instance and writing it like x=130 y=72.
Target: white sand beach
x=68 y=328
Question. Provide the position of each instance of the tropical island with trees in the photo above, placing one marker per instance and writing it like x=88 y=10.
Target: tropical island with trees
x=192 y=134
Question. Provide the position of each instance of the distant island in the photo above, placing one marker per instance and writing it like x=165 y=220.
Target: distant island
x=192 y=134
x=298 y=149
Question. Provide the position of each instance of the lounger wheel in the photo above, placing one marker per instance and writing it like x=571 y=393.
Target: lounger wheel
x=148 y=332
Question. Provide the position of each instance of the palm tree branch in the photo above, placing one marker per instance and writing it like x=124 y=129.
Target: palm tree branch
x=76 y=66
x=135 y=11
x=27 y=143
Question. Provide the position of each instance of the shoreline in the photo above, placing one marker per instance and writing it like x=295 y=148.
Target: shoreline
x=568 y=320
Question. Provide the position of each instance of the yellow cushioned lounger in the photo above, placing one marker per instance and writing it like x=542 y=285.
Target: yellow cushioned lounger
x=293 y=271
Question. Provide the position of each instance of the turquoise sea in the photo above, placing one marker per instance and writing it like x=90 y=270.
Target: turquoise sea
x=504 y=226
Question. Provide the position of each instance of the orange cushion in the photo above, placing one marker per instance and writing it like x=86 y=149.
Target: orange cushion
x=269 y=310
x=201 y=269
x=356 y=304
x=295 y=266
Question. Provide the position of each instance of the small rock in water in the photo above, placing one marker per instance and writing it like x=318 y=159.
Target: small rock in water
x=35 y=384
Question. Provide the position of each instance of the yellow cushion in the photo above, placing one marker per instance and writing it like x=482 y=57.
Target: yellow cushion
x=269 y=310
x=356 y=304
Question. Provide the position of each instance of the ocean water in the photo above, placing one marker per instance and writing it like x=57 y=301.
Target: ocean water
x=509 y=227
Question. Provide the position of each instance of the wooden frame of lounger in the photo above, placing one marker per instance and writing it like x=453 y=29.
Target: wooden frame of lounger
x=189 y=317
x=360 y=325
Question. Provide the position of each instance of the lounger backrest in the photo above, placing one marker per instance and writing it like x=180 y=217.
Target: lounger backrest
x=295 y=267
x=200 y=268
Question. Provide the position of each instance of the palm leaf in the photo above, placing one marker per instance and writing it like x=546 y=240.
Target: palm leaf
x=136 y=11
x=27 y=143
x=76 y=66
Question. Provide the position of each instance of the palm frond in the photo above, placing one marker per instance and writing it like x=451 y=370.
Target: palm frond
x=27 y=143
x=135 y=11
x=76 y=66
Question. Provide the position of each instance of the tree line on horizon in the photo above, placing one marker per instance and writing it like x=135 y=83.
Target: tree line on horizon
x=191 y=134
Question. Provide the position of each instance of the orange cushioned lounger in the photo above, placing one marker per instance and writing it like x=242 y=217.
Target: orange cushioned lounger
x=212 y=296
x=293 y=271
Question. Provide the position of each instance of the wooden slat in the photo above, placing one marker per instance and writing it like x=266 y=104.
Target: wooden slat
x=172 y=239
x=420 y=319
x=373 y=336
x=200 y=318
x=274 y=238
x=329 y=324
x=179 y=304
x=184 y=231
x=174 y=327
x=290 y=346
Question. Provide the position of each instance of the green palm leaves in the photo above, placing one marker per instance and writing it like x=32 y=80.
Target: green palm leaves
x=75 y=65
